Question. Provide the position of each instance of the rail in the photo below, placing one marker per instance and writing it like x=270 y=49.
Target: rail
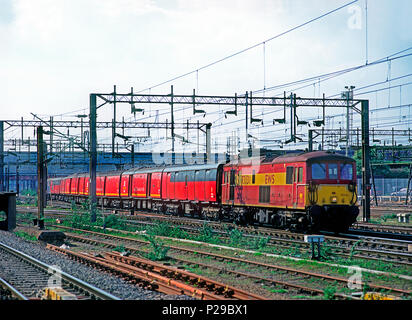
x=98 y=293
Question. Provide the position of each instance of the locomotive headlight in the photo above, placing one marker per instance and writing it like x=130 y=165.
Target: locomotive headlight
x=333 y=199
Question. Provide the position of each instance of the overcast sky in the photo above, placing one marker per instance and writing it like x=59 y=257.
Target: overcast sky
x=54 y=53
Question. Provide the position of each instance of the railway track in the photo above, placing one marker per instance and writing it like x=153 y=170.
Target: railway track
x=369 y=248
x=392 y=230
x=263 y=273
x=395 y=231
x=8 y=292
x=366 y=248
x=165 y=279
x=27 y=278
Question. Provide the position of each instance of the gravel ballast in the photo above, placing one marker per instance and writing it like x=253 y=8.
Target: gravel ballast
x=101 y=280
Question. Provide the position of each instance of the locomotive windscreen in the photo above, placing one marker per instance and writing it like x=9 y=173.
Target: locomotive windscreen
x=332 y=171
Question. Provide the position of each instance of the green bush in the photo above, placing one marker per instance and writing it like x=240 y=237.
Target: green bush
x=259 y=243
x=235 y=237
x=206 y=234
x=159 y=251
x=329 y=293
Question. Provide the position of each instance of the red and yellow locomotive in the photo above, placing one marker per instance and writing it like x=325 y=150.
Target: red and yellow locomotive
x=305 y=192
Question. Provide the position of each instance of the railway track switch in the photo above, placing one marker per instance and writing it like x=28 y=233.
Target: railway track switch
x=315 y=239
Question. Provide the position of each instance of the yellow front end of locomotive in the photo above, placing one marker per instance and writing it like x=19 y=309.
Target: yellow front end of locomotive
x=325 y=195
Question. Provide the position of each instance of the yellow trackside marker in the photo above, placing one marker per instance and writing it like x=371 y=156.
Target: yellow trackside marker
x=378 y=296
x=58 y=294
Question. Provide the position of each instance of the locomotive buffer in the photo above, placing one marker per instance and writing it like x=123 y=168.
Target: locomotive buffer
x=315 y=239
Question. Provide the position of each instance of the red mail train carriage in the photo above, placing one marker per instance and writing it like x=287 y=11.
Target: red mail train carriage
x=303 y=192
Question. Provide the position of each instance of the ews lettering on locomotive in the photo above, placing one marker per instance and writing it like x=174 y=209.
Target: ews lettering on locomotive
x=262 y=179
x=269 y=179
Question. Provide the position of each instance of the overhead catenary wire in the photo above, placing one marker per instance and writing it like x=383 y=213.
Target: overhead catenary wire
x=249 y=48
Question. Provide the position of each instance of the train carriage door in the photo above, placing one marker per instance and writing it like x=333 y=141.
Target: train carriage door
x=172 y=185
x=300 y=188
x=130 y=191
x=295 y=196
x=232 y=185
x=197 y=185
x=185 y=187
x=192 y=186
x=225 y=186
x=168 y=185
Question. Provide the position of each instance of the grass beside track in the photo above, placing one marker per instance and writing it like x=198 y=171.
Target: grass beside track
x=158 y=248
x=208 y=235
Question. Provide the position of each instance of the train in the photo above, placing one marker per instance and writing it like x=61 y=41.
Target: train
x=304 y=192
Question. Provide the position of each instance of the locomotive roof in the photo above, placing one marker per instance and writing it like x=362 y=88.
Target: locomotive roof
x=312 y=157
x=295 y=157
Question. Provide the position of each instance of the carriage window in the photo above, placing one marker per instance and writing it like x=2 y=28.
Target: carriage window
x=300 y=175
x=318 y=171
x=346 y=171
x=333 y=170
x=289 y=175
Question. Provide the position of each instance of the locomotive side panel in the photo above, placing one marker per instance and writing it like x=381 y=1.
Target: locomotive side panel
x=266 y=185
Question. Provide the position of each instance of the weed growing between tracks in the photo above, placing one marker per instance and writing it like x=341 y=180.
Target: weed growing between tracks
x=25 y=236
x=260 y=244
x=329 y=292
x=236 y=239
x=159 y=251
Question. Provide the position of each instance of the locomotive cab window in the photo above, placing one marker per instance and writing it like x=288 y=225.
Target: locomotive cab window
x=253 y=177
x=333 y=170
x=289 y=175
x=346 y=171
x=318 y=171
x=296 y=175
x=300 y=175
